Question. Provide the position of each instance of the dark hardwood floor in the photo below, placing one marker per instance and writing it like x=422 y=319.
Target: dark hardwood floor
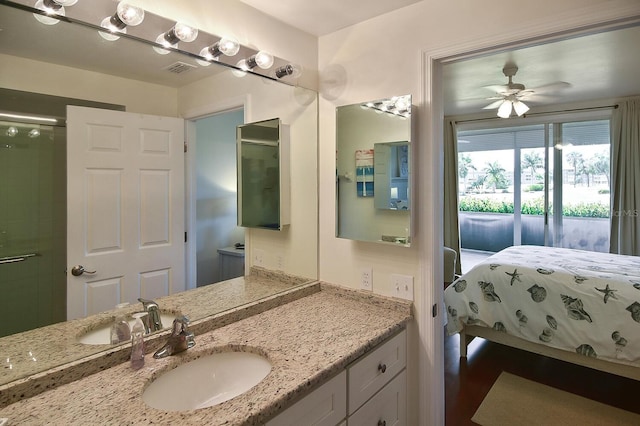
x=467 y=382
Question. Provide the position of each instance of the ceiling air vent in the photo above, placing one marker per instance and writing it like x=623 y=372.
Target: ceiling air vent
x=179 y=67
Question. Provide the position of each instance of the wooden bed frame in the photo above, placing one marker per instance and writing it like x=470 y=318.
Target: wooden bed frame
x=471 y=331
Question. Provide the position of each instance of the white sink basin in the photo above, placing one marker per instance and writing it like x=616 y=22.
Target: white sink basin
x=102 y=335
x=206 y=381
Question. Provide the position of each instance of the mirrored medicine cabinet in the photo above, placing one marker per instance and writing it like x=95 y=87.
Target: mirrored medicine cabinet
x=263 y=175
x=373 y=171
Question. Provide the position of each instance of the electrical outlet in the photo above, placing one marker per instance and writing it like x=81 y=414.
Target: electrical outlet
x=402 y=286
x=366 y=278
x=258 y=257
x=280 y=262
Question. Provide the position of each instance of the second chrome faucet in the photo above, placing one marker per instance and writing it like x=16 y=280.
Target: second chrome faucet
x=153 y=322
x=180 y=339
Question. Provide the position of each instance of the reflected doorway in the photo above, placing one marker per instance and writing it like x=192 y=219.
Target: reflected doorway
x=219 y=241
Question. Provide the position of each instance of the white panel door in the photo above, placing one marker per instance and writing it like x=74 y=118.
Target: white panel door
x=125 y=208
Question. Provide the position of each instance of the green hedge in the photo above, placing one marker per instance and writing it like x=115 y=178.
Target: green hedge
x=532 y=207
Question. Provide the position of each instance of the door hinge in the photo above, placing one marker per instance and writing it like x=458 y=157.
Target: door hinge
x=434 y=310
x=185 y=147
x=185 y=236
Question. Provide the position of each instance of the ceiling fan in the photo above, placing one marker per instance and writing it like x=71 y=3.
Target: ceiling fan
x=509 y=97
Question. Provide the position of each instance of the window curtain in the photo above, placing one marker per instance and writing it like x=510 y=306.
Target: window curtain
x=451 y=225
x=625 y=178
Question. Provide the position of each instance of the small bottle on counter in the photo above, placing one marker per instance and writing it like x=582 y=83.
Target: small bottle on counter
x=137 y=342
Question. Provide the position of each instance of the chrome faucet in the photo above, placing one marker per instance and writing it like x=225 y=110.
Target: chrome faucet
x=180 y=339
x=153 y=322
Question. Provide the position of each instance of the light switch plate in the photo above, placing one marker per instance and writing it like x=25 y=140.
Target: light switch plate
x=402 y=286
x=258 y=257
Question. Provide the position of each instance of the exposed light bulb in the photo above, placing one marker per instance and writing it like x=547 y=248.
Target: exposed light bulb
x=161 y=41
x=241 y=68
x=185 y=33
x=402 y=103
x=505 y=109
x=34 y=133
x=179 y=32
x=226 y=46
x=261 y=59
x=51 y=8
x=11 y=132
x=130 y=15
x=111 y=28
x=520 y=107
x=126 y=15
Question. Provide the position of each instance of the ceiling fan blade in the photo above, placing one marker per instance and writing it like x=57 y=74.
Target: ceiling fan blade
x=557 y=85
x=498 y=88
x=494 y=105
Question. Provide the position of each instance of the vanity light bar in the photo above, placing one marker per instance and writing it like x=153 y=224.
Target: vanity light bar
x=28 y=117
x=154 y=31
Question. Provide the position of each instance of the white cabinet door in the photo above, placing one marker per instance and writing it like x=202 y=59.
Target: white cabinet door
x=371 y=373
x=388 y=407
x=125 y=202
x=326 y=406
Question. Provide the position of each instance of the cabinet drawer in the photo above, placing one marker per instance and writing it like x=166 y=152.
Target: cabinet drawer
x=325 y=406
x=368 y=375
x=388 y=407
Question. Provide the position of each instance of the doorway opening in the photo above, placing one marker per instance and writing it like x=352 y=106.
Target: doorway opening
x=219 y=241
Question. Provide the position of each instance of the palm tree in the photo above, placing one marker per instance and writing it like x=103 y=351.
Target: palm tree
x=601 y=165
x=495 y=175
x=478 y=183
x=464 y=165
x=575 y=159
x=533 y=162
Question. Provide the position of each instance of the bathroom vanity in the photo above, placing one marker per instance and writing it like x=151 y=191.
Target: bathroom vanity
x=312 y=340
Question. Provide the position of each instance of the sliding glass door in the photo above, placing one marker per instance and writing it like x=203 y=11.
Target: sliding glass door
x=542 y=184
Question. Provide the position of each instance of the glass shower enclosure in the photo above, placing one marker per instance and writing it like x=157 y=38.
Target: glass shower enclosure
x=32 y=225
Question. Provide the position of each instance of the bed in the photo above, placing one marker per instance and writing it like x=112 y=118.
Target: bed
x=578 y=306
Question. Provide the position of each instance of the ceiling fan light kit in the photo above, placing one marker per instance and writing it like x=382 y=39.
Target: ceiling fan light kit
x=509 y=97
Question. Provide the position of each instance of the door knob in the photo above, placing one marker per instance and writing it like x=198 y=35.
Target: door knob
x=78 y=270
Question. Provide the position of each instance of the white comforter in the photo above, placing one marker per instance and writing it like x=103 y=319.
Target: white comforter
x=575 y=300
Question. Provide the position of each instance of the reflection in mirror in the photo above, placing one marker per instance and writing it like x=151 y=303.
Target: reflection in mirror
x=263 y=178
x=373 y=182
x=72 y=61
x=391 y=175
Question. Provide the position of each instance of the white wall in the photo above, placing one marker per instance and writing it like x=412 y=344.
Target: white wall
x=383 y=57
x=50 y=79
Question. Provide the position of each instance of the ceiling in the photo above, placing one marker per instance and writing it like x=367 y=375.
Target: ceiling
x=597 y=66
x=604 y=65
x=322 y=17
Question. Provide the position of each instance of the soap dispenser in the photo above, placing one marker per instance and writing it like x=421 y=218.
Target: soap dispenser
x=137 y=342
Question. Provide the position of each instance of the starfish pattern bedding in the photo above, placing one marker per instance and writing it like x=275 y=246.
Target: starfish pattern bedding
x=579 y=301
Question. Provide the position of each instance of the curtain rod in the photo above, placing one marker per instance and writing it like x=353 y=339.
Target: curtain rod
x=543 y=113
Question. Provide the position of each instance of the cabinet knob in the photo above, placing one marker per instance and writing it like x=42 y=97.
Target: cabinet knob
x=382 y=368
x=382 y=423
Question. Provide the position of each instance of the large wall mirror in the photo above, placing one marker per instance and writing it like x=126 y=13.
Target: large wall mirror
x=373 y=171
x=71 y=60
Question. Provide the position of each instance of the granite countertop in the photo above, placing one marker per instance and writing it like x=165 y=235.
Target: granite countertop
x=46 y=357
x=307 y=340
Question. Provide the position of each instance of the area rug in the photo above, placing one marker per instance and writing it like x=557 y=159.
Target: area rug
x=513 y=400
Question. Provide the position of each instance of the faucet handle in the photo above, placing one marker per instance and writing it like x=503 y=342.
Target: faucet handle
x=147 y=304
x=180 y=324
